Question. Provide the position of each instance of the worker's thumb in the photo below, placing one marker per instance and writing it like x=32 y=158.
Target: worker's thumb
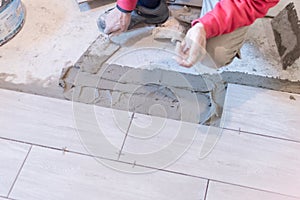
x=111 y=29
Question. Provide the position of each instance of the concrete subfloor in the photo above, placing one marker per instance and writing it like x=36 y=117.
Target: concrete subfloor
x=56 y=34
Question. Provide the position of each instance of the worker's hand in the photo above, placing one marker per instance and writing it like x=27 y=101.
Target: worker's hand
x=116 y=21
x=193 y=46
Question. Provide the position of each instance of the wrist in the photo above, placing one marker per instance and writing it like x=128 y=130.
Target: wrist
x=123 y=10
x=200 y=27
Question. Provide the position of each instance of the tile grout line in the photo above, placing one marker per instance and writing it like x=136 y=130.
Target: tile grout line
x=110 y=159
x=206 y=190
x=219 y=181
x=260 y=135
x=38 y=145
x=19 y=172
x=163 y=170
x=126 y=135
x=4 y=197
x=252 y=188
x=141 y=165
x=80 y=153
x=8 y=198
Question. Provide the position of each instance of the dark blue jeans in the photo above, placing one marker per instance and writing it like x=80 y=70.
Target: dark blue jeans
x=149 y=3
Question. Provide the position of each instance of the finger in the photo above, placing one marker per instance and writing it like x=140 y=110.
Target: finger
x=184 y=63
x=124 y=25
x=111 y=29
x=183 y=43
x=185 y=46
x=178 y=48
x=179 y=53
x=185 y=50
x=197 y=52
x=194 y=54
x=116 y=33
x=123 y=28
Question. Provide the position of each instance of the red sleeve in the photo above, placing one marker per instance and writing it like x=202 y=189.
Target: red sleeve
x=127 y=5
x=228 y=15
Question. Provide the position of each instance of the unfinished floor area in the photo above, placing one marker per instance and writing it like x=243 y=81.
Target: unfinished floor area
x=55 y=145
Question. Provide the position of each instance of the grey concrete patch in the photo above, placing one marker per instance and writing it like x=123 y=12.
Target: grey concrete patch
x=286 y=30
x=99 y=52
x=141 y=80
x=144 y=91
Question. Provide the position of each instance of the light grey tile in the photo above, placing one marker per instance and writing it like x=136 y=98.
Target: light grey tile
x=148 y=134
x=50 y=174
x=62 y=124
x=243 y=159
x=262 y=111
x=12 y=157
x=229 y=156
x=222 y=191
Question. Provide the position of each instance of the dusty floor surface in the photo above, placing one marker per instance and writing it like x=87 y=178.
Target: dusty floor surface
x=56 y=34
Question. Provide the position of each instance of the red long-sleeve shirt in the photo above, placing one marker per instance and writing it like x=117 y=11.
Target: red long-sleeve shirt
x=227 y=16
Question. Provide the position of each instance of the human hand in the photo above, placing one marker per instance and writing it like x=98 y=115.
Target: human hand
x=192 y=48
x=115 y=21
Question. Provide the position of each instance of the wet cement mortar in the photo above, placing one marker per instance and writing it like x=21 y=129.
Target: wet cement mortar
x=92 y=80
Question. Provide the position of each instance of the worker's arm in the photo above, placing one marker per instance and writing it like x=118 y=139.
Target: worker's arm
x=228 y=15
